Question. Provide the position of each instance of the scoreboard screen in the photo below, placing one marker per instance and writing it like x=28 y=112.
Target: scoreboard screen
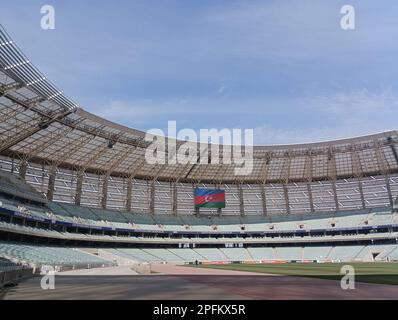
x=209 y=198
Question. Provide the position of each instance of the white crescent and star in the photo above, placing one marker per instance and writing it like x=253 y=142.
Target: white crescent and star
x=208 y=198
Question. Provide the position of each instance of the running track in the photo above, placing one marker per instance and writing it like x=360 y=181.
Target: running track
x=181 y=283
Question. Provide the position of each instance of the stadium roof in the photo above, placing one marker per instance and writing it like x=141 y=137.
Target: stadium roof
x=39 y=123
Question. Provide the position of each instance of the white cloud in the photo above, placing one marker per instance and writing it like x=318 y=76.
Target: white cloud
x=149 y=109
x=222 y=89
x=347 y=115
x=358 y=103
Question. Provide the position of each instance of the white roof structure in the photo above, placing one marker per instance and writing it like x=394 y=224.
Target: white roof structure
x=40 y=125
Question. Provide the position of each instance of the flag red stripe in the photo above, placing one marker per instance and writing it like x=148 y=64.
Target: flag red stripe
x=210 y=198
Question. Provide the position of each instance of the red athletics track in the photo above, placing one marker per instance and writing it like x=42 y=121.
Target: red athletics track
x=181 y=283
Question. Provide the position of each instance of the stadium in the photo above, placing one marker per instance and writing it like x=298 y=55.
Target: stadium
x=77 y=194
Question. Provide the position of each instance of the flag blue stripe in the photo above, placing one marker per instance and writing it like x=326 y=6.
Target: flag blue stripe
x=207 y=192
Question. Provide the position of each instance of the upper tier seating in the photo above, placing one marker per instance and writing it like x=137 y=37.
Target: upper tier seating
x=15 y=186
x=183 y=223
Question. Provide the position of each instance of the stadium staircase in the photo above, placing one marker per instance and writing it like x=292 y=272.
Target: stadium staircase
x=250 y=255
x=360 y=253
x=175 y=253
x=116 y=257
x=93 y=253
x=392 y=253
x=198 y=253
x=274 y=254
x=329 y=253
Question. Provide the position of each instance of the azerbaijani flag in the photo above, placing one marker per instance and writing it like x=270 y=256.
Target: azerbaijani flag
x=209 y=198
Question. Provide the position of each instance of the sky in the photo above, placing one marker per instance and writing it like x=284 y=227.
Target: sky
x=283 y=68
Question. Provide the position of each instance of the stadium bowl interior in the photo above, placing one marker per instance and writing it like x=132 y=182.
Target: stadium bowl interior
x=76 y=192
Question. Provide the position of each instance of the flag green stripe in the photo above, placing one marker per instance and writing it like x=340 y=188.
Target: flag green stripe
x=211 y=205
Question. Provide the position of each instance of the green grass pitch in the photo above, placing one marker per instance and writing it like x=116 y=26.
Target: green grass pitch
x=370 y=272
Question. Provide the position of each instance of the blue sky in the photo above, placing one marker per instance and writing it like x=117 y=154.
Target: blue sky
x=283 y=68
